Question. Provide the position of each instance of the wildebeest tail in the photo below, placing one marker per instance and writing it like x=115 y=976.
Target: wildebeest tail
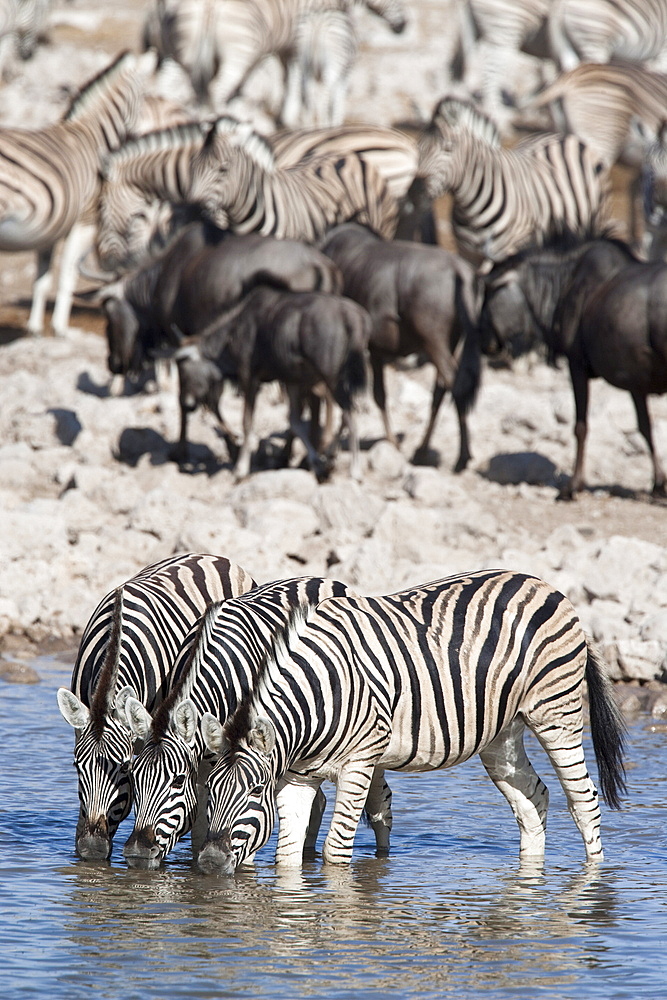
x=353 y=373
x=607 y=730
x=469 y=364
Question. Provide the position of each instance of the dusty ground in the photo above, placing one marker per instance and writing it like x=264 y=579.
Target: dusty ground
x=88 y=494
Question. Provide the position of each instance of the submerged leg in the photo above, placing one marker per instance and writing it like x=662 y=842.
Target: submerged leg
x=566 y=753
x=378 y=810
x=352 y=786
x=296 y=803
x=512 y=773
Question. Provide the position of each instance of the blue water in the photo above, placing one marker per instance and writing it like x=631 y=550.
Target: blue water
x=449 y=914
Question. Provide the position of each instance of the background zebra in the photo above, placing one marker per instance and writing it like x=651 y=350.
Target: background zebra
x=217 y=665
x=417 y=681
x=128 y=648
x=606 y=29
x=506 y=198
x=219 y=43
x=49 y=178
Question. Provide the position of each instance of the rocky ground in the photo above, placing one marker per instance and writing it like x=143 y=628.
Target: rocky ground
x=88 y=495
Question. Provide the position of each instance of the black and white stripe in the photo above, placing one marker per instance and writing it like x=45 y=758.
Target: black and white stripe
x=49 y=179
x=417 y=681
x=216 y=667
x=503 y=198
x=600 y=31
x=128 y=648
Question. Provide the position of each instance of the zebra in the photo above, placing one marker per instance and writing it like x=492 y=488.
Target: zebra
x=491 y=33
x=600 y=31
x=127 y=649
x=163 y=168
x=21 y=25
x=416 y=681
x=216 y=666
x=236 y=190
x=506 y=198
x=219 y=43
x=49 y=178
x=616 y=110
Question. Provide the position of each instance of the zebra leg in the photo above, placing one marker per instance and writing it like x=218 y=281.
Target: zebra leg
x=77 y=239
x=40 y=290
x=378 y=810
x=566 y=753
x=512 y=773
x=352 y=789
x=296 y=801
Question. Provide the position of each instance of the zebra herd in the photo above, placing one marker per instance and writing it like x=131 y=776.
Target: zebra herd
x=212 y=705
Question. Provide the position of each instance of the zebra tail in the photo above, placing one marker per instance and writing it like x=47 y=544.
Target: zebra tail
x=607 y=730
x=469 y=364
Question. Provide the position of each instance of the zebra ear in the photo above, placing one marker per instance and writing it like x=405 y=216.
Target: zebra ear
x=121 y=701
x=212 y=733
x=138 y=718
x=185 y=718
x=262 y=736
x=71 y=709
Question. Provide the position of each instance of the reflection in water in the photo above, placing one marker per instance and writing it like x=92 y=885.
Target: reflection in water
x=450 y=913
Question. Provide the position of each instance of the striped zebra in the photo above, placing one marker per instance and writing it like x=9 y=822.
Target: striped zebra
x=416 y=681
x=504 y=198
x=128 y=649
x=491 y=34
x=160 y=169
x=49 y=179
x=603 y=30
x=236 y=190
x=616 y=110
x=216 y=667
x=219 y=43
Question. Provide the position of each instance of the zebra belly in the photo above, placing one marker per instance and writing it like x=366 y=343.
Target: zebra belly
x=18 y=234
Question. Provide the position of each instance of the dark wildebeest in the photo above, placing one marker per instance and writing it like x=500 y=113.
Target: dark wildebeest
x=421 y=299
x=603 y=310
x=203 y=272
x=298 y=338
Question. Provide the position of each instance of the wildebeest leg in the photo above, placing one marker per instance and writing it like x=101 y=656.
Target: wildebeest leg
x=644 y=424
x=299 y=429
x=242 y=467
x=438 y=395
x=228 y=434
x=380 y=397
x=580 y=388
x=349 y=421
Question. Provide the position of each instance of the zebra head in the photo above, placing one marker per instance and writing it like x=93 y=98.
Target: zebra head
x=241 y=789
x=391 y=11
x=102 y=756
x=164 y=783
x=215 y=177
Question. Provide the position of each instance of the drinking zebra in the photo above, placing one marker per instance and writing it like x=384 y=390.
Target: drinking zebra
x=416 y=681
x=506 y=198
x=634 y=30
x=128 y=648
x=216 y=667
x=182 y=167
x=219 y=43
x=49 y=179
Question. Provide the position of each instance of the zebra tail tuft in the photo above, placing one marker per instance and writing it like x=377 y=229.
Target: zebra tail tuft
x=469 y=367
x=607 y=730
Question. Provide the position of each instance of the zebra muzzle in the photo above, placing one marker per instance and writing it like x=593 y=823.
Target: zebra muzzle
x=216 y=856
x=93 y=843
x=142 y=850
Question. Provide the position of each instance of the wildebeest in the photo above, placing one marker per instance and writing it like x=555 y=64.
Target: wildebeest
x=606 y=312
x=298 y=338
x=201 y=273
x=420 y=299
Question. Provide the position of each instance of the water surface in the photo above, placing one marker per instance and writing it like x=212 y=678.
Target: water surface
x=449 y=914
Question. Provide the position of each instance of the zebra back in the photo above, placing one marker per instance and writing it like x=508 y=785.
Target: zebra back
x=134 y=633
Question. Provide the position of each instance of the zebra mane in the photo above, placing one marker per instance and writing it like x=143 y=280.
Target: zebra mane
x=151 y=142
x=455 y=113
x=91 y=91
x=240 y=722
x=100 y=702
x=160 y=724
x=229 y=131
x=243 y=135
x=564 y=242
